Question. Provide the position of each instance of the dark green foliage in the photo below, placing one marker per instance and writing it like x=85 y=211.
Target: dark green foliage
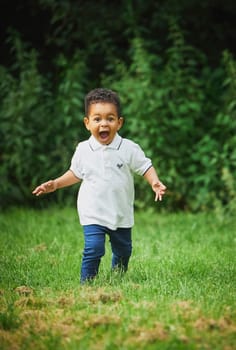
x=171 y=109
x=178 y=107
x=39 y=127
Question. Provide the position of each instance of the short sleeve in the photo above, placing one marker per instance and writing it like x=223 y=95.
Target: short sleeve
x=139 y=162
x=75 y=166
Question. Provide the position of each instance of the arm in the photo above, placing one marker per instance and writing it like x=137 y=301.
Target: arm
x=65 y=180
x=156 y=184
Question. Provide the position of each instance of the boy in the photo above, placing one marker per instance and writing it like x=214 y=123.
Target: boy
x=105 y=163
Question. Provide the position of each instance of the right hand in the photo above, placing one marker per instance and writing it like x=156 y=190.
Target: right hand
x=46 y=187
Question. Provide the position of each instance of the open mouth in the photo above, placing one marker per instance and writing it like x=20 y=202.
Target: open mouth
x=104 y=134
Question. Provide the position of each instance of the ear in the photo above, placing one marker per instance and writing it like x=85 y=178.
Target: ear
x=86 y=123
x=120 y=122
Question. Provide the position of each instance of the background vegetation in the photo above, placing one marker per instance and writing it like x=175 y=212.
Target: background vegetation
x=173 y=64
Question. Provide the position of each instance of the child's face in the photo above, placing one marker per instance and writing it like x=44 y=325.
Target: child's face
x=103 y=121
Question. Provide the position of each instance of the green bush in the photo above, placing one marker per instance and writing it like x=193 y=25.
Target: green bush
x=181 y=111
x=173 y=107
x=39 y=127
x=216 y=154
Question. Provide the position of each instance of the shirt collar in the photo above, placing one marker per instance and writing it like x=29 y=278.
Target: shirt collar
x=115 y=144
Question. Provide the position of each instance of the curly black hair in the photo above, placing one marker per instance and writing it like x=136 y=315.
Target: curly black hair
x=102 y=95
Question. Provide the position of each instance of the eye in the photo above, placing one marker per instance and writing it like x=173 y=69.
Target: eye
x=96 y=119
x=111 y=118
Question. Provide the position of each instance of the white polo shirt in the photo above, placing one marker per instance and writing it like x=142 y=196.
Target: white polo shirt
x=106 y=194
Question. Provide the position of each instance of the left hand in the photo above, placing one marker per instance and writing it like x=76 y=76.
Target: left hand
x=159 y=188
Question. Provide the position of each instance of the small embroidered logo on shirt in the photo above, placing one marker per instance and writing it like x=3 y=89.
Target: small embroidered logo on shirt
x=119 y=165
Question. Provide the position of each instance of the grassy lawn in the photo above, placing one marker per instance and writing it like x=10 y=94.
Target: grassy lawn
x=179 y=292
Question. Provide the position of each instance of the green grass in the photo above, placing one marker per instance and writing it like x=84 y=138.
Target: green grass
x=179 y=292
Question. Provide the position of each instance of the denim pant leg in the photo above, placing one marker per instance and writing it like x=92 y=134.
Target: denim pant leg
x=94 y=249
x=121 y=245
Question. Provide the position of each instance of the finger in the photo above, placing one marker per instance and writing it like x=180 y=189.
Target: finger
x=39 y=193
x=36 y=190
x=39 y=190
x=158 y=196
x=162 y=186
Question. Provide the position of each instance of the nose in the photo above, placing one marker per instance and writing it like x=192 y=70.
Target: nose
x=104 y=122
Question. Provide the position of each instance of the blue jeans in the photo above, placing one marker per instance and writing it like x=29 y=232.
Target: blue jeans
x=94 y=249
